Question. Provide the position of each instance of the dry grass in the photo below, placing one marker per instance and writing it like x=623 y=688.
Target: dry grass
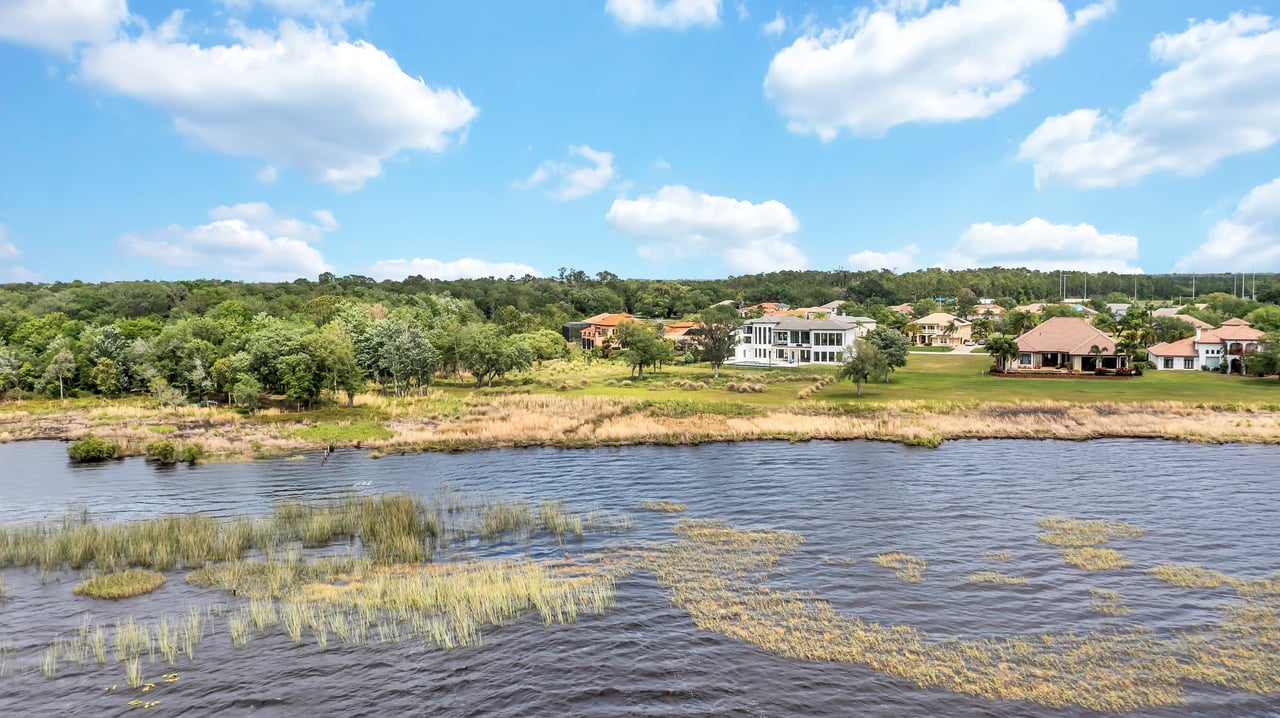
x=1095 y=559
x=995 y=577
x=1107 y=602
x=666 y=507
x=908 y=568
x=1078 y=533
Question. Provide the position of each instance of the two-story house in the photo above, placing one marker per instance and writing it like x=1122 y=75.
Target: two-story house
x=940 y=329
x=781 y=340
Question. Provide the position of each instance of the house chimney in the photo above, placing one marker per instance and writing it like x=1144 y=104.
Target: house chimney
x=1197 y=333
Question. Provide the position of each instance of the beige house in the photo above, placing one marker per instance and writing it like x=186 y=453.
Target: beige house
x=939 y=329
x=1067 y=344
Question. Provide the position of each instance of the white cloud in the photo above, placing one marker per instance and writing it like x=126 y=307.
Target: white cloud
x=20 y=275
x=1219 y=100
x=666 y=14
x=677 y=222
x=60 y=25
x=465 y=268
x=886 y=67
x=333 y=13
x=776 y=26
x=333 y=110
x=268 y=175
x=251 y=241
x=1248 y=241
x=1037 y=244
x=661 y=164
x=575 y=180
x=896 y=259
x=8 y=251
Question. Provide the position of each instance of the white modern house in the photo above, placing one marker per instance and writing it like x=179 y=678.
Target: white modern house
x=1209 y=348
x=781 y=340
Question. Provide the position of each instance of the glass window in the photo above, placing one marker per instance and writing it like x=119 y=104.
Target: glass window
x=1168 y=362
x=1025 y=359
x=1188 y=363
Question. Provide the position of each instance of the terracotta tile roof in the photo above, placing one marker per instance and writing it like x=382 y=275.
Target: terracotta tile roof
x=1180 y=348
x=1197 y=323
x=941 y=319
x=904 y=308
x=607 y=320
x=1236 y=322
x=1070 y=335
x=1238 y=333
x=1208 y=337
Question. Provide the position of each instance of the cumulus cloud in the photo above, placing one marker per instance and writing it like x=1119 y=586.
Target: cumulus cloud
x=1248 y=241
x=250 y=241
x=665 y=14
x=575 y=179
x=1037 y=244
x=60 y=25
x=895 y=259
x=776 y=26
x=1218 y=100
x=331 y=109
x=465 y=268
x=678 y=222
x=889 y=66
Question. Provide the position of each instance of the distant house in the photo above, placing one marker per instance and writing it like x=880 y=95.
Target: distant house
x=940 y=329
x=781 y=340
x=906 y=309
x=1209 y=348
x=764 y=308
x=991 y=311
x=1038 y=308
x=678 y=332
x=1118 y=309
x=600 y=328
x=1068 y=343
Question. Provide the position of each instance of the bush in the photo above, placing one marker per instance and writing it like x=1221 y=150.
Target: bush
x=91 y=448
x=166 y=452
x=191 y=452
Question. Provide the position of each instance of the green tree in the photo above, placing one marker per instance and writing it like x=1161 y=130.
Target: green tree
x=1003 y=349
x=105 y=376
x=1171 y=329
x=1265 y=360
x=61 y=366
x=716 y=335
x=1017 y=323
x=643 y=346
x=894 y=348
x=297 y=374
x=487 y=355
x=166 y=396
x=1265 y=318
x=247 y=392
x=924 y=308
x=862 y=360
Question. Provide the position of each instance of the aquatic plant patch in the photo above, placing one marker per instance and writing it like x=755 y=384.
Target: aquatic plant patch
x=123 y=584
x=907 y=567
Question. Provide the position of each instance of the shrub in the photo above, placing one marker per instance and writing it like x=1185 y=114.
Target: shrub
x=625 y=382
x=91 y=448
x=562 y=387
x=191 y=452
x=166 y=452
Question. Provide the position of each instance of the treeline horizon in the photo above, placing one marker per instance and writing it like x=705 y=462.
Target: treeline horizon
x=573 y=294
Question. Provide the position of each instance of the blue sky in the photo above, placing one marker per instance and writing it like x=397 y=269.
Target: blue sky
x=272 y=139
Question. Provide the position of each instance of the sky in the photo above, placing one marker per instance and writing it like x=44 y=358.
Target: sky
x=276 y=139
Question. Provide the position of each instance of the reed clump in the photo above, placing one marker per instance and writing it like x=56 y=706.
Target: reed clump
x=666 y=507
x=996 y=556
x=1078 y=533
x=1095 y=559
x=906 y=567
x=1107 y=602
x=995 y=577
x=123 y=584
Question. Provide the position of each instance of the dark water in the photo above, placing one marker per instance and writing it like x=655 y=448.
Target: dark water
x=1214 y=505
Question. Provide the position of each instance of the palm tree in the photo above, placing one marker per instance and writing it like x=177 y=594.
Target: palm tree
x=1019 y=323
x=1003 y=349
x=1095 y=351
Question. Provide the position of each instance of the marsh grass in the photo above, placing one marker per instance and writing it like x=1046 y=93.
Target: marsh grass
x=995 y=577
x=1107 y=602
x=1095 y=559
x=1079 y=533
x=996 y=556
x=124 y=584
x=906 y=567
x=720 y=574
x=666 y=507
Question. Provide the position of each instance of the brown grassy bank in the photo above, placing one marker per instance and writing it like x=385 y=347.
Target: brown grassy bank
x=487 y=421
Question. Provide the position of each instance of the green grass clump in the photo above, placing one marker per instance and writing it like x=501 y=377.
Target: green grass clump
x=90 y=448
x=344 y=432
x=1095 y=559
x=667 y=507
x=162 y=429
x=123 y=584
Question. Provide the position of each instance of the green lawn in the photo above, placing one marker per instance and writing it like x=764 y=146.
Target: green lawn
x=932 y=349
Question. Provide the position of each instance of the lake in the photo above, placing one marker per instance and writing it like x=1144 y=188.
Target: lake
x=954 y=506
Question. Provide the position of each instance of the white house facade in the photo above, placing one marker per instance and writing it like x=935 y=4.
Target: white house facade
x=791 y=341
x=1209 y=349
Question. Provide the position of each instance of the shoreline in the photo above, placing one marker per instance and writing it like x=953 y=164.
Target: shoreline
x=581 y=422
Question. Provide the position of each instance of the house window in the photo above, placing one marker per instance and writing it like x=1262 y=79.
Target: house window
x=1168 y=362
x=1024 y=359
x=1188 y=363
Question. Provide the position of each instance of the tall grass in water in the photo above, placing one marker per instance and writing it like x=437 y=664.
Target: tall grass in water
x=907 y=567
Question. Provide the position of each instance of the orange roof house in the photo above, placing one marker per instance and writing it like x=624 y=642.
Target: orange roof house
x=1067 y=343
x=601 y=327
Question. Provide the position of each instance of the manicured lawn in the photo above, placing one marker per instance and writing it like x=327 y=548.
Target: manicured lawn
x=933 y=349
